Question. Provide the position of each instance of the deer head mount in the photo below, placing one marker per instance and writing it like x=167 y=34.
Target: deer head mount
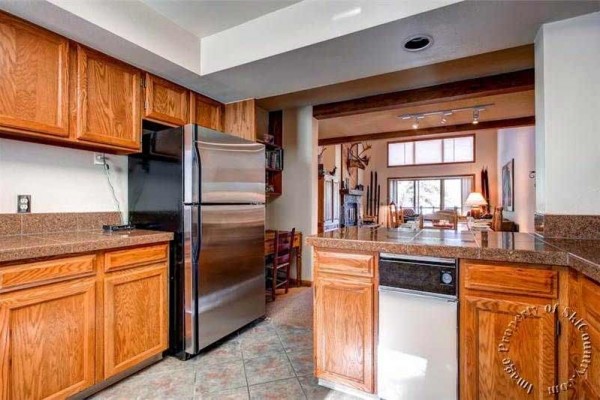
x=357 y=157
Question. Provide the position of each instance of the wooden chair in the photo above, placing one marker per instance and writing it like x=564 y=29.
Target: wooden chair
x=278 y=272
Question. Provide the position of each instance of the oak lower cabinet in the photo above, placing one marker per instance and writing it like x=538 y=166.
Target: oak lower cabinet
x=106 y=100
x=33 y=79
x=67 y=324
x=344 y=320
x=508 y=342
x=135 y=315
x=165 y=102
x=584 y=297
x=47 y=340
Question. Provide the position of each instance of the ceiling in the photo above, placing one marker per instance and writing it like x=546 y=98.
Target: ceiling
x=506 y=106
x=206 y=17
x=280 y=47
x=487 y=64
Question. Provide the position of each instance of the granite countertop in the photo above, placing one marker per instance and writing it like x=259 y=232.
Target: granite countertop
x=21 y=247
x=582 y=255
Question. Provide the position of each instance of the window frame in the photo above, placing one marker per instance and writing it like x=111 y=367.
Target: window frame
x=441 y=178
x=387 y=148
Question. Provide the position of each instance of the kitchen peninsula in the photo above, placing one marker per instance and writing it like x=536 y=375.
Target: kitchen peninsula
x=499 y=275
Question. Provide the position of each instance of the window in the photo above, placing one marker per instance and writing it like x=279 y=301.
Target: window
x=430 y=194
x=432 y=151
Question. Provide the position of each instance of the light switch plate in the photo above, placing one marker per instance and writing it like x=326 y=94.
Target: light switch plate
x=24 y=203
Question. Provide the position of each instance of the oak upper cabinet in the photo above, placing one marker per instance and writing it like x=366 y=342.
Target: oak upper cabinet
x=165 y=102
x=491 y=296
x=246 y=120
x=206 y=112
x=135 y=310
x=34 y=91
x=106 y=97
x=344 y=304
x=47 y=341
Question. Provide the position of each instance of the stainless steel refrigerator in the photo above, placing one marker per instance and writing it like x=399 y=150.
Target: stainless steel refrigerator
x=209 y=189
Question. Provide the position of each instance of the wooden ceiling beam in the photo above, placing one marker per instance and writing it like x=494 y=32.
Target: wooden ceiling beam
x=510 y=82
x=436 y=130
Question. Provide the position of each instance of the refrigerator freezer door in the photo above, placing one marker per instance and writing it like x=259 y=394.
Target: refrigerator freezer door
x=231 y=284
x=233 y=169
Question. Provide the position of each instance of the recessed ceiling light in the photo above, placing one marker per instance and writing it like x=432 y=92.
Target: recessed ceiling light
x=418 y=42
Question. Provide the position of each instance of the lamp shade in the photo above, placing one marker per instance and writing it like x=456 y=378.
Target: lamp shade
x=475 y=199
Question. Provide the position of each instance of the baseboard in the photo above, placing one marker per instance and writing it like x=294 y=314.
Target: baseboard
x=303 y=283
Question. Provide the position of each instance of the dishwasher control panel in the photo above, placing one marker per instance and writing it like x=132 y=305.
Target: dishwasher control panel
x=423 y=274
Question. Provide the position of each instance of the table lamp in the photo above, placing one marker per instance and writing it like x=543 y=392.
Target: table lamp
x=475 y=200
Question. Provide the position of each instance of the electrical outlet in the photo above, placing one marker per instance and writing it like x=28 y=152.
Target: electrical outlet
x=100 y=159
x=24 y=203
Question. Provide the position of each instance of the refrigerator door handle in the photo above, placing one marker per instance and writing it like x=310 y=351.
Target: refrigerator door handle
x=190 y=284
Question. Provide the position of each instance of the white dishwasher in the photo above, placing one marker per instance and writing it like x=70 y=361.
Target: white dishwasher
x=418 y=328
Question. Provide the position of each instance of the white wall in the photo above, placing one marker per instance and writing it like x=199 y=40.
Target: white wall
x=485 y=155
x=519 y=144
x=58 y=179
x=567 y=122
x=297 y=207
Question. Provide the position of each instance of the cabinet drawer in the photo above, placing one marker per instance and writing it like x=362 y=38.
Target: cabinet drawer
x=37 y=273
x=346 y=263
x=515 y=279
x=127 y=258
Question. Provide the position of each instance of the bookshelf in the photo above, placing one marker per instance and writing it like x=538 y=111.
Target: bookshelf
x=273 y=142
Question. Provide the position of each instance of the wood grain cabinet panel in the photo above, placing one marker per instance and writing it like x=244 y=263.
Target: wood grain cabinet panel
x=128 y=258
x=345 y=262
x=532 y=349
x=47 y=339
x=344 y=331
x=24 y=275
x=34 y=80
x=246 y=120
x=166 y=102
x=584 y=298
x=206 y=112
x=135 y=316
x=511 y=279
x=107 y=100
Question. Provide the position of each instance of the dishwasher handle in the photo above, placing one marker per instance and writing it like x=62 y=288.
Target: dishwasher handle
x=434 y=296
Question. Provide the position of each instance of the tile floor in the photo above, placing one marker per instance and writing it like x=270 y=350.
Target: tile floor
x=267 y=360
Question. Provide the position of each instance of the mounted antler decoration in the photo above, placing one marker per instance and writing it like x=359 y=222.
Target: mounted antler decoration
x=356 y=157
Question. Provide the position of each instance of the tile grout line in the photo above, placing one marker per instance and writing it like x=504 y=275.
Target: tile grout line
x=244 y=365
x=290 y=361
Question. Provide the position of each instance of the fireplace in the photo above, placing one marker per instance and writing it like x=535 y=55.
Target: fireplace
x=351 y=214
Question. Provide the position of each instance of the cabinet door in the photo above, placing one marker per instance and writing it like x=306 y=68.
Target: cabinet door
x=135 y=316
x=206 y=112
x=584 y=298
x=107 y=100
x=344 y=343
x=47 y=337
x=532 y=349
x=33 y=78
x=166 y=102
x=240 y=119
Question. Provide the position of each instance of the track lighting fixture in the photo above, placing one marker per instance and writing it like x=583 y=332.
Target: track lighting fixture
x=475 y=116
x=445 y=114
x=415 y=124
